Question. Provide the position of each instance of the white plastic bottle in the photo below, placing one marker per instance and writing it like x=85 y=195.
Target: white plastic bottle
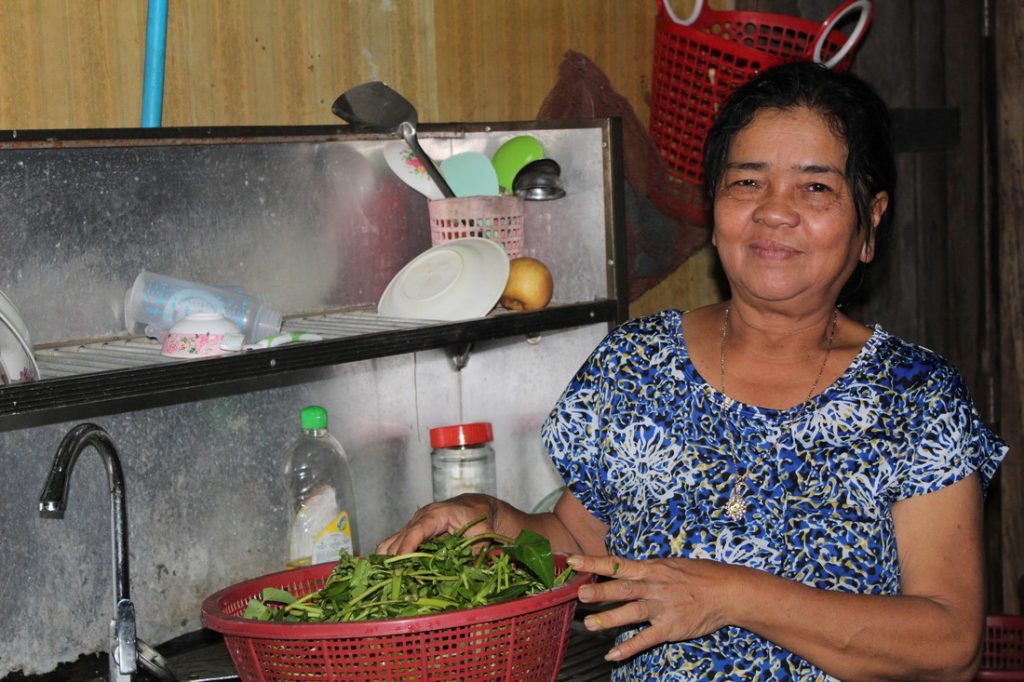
x=322 y=495
x=158 y=301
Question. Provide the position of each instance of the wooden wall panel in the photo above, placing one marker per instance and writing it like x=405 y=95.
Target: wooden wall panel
x=79 y=64
x=70 y=64
x=1009 y=48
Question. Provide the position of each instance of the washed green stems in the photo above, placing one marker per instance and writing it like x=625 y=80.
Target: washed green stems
x=444 y=574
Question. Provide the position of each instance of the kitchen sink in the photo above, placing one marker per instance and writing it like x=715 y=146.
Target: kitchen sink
x=201 y=657
x=194 y=657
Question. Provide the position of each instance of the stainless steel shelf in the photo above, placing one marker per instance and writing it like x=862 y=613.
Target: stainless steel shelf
x=101 y=355
x=102 y=376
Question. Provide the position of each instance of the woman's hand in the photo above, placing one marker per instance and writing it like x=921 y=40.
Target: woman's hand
x=680 y=598
x=438 y=518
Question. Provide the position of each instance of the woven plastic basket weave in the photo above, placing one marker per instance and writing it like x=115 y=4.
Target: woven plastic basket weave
x=499 y=219
x=1003 y=655
x=700 y=60
x=524 y=639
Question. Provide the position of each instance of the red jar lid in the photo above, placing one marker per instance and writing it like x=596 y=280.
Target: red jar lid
x=461 y=434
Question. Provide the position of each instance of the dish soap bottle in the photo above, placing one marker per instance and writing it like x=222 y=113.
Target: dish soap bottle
x=322 y=496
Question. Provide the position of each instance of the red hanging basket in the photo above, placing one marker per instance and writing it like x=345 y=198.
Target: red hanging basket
x=700 y=60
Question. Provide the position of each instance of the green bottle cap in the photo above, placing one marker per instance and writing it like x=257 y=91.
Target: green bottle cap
x=314 y=417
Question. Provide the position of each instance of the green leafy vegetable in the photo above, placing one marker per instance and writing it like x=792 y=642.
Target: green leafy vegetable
x=534 y=551
x=445 y=573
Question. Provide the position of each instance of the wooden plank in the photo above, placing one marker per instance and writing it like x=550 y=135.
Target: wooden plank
x=891 y=294
x=973 y=345
x=691 y=286
x=1009 y=51
x=925 y=129
x=930 y=222
x=282 y=62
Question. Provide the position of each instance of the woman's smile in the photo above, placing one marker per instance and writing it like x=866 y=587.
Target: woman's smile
x=773 y=250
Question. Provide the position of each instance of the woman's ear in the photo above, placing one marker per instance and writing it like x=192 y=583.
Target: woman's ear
x=878 y=207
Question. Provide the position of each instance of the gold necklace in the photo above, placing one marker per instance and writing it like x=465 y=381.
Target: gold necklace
x=736 y=506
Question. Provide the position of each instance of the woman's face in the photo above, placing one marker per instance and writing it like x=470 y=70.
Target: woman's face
x=785 y=220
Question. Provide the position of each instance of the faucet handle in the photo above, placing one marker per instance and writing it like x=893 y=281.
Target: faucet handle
x=123 y=646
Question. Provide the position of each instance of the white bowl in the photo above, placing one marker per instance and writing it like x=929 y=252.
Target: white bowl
x=16 y=359
x=198 y=335
x=458 y=280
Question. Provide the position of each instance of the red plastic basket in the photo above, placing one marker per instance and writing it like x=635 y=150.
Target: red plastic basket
x=699 y=61
x=1003 y=655
x=524 y=639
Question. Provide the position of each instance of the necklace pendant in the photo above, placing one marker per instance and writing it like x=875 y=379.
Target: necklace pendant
x=736 y=506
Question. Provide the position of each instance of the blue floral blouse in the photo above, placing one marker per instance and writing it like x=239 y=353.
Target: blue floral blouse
x=642 y=441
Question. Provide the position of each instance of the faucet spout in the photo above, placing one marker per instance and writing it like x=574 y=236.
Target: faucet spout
x=54 y=502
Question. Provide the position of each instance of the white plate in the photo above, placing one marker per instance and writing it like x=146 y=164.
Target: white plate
x=406 y=166
x=458 y=280
x=8 y=310
x=19 y=364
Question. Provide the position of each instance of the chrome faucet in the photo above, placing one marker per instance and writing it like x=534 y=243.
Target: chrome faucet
x=53 y=503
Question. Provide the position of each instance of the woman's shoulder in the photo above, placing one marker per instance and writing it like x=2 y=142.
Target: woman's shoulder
x=639 y=340
x=909 y=365
x=659 y=327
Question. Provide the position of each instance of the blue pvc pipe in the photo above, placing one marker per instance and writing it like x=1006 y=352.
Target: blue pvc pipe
x=153 y=79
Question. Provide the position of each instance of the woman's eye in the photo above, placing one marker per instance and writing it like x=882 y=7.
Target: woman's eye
x=818 y=187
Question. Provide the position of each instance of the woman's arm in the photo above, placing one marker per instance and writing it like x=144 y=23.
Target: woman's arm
x=933 y=630
x=569 y=528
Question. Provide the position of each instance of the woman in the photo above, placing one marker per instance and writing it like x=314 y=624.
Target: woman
x=774 y=490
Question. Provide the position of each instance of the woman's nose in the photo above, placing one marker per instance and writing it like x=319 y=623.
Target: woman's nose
x=776 y=210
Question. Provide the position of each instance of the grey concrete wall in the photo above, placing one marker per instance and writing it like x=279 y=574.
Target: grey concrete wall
x=206 y=507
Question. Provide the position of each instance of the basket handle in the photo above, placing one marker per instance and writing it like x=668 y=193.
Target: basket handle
x=867 y=11
x=698 y=5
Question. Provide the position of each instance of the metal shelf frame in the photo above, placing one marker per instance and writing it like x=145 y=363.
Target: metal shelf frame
x=103 y=376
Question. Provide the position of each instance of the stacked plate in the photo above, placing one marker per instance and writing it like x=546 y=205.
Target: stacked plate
x=458 y=280
x=17 y=363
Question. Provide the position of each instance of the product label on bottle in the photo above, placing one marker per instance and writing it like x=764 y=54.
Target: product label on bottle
x=334 y=538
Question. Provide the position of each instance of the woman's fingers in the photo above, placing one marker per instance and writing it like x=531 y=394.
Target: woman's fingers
x=632 y=613
x=641 y=641
x=676 y=597
x=629 y=613
x=405 y=540
x=437 y=518
x=614 y=590
x=608 y=566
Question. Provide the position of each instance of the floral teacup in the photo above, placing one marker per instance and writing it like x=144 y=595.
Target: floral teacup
x=198 y=335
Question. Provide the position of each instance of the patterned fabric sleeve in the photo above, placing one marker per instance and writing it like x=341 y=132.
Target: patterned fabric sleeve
x=574 y=430
x=953 y=441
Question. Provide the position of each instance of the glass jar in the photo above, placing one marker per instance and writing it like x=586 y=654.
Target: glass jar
x=462 y=460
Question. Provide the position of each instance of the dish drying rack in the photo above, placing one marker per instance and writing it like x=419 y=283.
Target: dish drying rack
x=139 y=351
x=98 y=376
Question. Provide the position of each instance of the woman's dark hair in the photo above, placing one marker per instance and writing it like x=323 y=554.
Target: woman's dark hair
x=851 y=107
